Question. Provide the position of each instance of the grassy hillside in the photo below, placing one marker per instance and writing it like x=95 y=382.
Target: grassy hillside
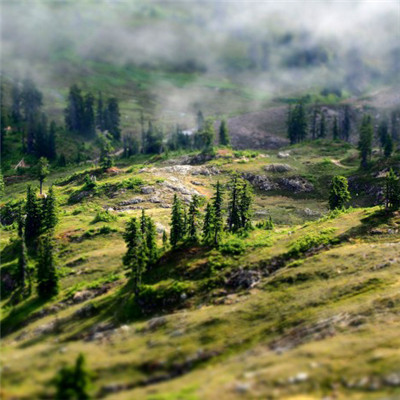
x=292 y=313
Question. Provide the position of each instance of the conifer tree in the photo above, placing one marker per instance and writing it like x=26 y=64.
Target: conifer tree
x=151 y=241
x=89 y=123
x=75 y=110
x=297 y=123
x=335 y=129
x=42 y=170
x=193 y=219
x=322 y=126
x=383 y=133
x=106 y=149
x=346 y=126
x=217 y=208
x=46 y=268
x=388 y=149
x=208 y=224
x=314 y=123
x=269 y=226
x=234 y=221
x=100 y=113
x=16 y=103
x=365 y=142
x=392 y=191
x=112 y=118
x=22 y=256
x=200 y=121
x=33 y=216
x=143 y=222
x=224 y=139
x=74 y=382
x=50 y=214
x=177 y=222
x=165 y=239
x=339 y=193
x=51 y=152
x=394 y=125
x=245 y=201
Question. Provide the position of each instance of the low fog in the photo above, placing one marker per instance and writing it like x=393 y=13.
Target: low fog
x=272 y=47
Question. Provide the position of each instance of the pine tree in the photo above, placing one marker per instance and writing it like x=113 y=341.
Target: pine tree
x=177 y=222
x=143 y=222
x=22 y=265
x=335 y=129
x=100 y=114
x=346 y=126
x=51 y=142
x=106 y=149
x=208 y=224
x=41 y=137
x=218 y=218
x=16 y=103
x=112 y=119
x=224 y=139
x=245 y=202
x=165 y=239
x=322 y=126
x=74 y=383
x=75 y=110
x=193 y=219
x=50 y=214
x=392 y=191
x=314 y=123
x=33 y=216
x=383 y=133
x=46 y=269
x=339 y=193
x=297 y=123
x=365 y=142
x=136 y=255
x=151 y=241
x=42 y=170
x=388 y=149
x=200 y=121
x=394 y=126
x=234 y=221
x=89 y=123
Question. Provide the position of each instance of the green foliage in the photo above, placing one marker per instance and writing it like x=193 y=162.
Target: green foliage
x=365 y=141
x=104 y=216
x=232 y=246
x=297 y=123
x=152 y=298
x=106 y=149
x=310 y=241
x=267 y=224
x=392 y=191
x=74 y=382
x=177 y=222
x=339 y=193
x=224 y=139
x=47 y=276
x=193 y=219
x=33 y=222
x=1 y=184
x=42 y=170
x=50 y=210
x=89 y=183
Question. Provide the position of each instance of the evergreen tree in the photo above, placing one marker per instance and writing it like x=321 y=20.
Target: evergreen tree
x=193 y=218
x=51 y=153
x=224 y=139
x=89 y=124
x=217 y=208
x=164 y=239
x=22 y=265
x=151 y=241
x=46 y=269
x=269 y=226
x=314 y=123
x=234 y=221
x=335 y=129
x=388 y=149
x=16 y=103
x=31 y=100
x=33 y=216
x=322 y=126
x=106 y=149
x=153 y=140
x=177 y=222
x=50 y=214
x=200 y=121
x=42 y=170
x=73 y=383
x=392 y=191
x=383 y=133
x=75 y=110
x=100 y=114
x=339 y=193
x=245 y=202
x=208 y=224
x=394 y=126
x=365 y=142
x=41 y=137
x=204 y=138
x=136 y=255
x=297 y=123
x=112 y=118
x=346 y=126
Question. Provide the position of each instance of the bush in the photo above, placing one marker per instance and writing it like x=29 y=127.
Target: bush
x=152 y=298
x=310 y=241
x=232 y=246
x=104 y=216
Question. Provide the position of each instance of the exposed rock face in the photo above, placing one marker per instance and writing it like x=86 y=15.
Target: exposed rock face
x=77 y=197
x=278 y=168
x=183 y=170
x=135 y=200
x=261 y=182
x=296 y=184
x=243 y=279
x=176 y=186
x=147 y=189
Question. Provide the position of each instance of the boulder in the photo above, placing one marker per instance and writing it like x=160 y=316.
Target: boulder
x=277 y=168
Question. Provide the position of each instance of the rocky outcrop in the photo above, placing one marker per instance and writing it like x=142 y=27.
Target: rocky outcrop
x=278 y=168
x=261 y=182
x=296 y=184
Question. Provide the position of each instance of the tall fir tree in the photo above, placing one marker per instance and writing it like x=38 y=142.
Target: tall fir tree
x=394 y=119
x=365 y=141
x=74 y=383
x=50 y=210
x=314 y=122
x=22 y=265
x=33 y=216
x=151 y=241
x=51 y=152
x=335 y=129
x=234 y=221
x=112 y=118
x=89 y=122
x=339 y=193
x=346 y=125
x=177 y=222
x=100 y=113
x=245 y=202
x=224 y=139
x=392 y=191
x=208 y=224
x=75 y=110
x=297 y=123
x=383 y=133
x=106 y=149
x=388 y=149
x=217 y=202
x=193 y=219
x=42 y=170
x=47 y=276
x=322 y=126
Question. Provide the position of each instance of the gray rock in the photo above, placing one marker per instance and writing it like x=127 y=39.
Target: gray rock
x=277 y=168
x=392 y=379
x=156 y=323
x=262 y=182
x=283 y=154
x=147 y=189
x=296 y=184
x=243 y=278
x=135 y=200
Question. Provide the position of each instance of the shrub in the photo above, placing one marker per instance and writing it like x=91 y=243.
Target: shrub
x=232 y=246
x=310 y=241
x=103 y=216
